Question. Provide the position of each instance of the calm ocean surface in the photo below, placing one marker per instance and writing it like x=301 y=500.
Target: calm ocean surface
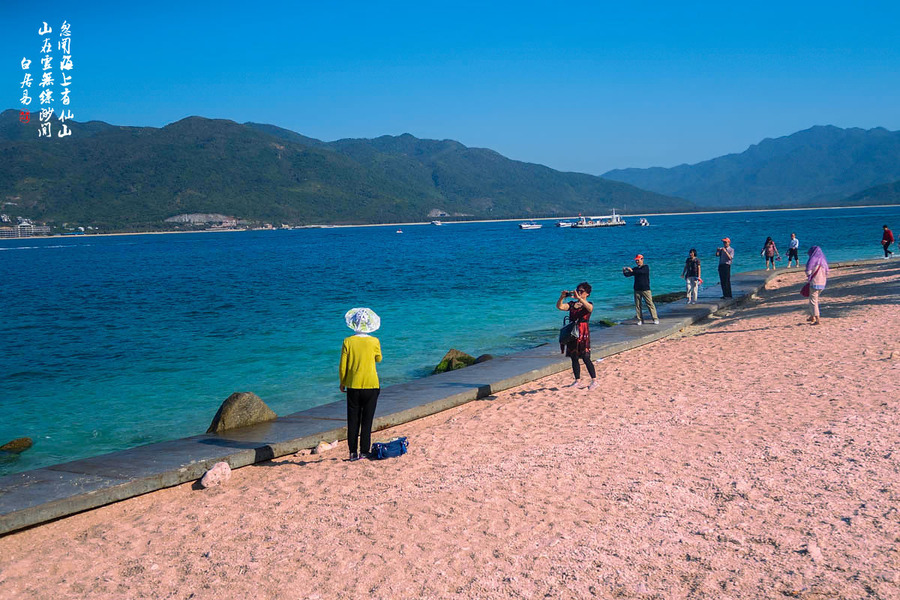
x=113 y=342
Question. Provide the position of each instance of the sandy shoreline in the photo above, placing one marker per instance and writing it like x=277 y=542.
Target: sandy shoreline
x=752 y=457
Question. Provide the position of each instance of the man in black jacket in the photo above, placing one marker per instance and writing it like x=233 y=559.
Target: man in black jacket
x=641 y=274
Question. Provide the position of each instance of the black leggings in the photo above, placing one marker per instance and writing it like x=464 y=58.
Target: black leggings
x=360 y=414
x=576 y=368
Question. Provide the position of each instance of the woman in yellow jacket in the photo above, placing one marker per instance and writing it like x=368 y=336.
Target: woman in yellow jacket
x=359 y=379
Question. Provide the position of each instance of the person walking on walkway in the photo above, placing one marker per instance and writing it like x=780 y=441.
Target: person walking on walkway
x=770 y=252
x=887 y=238
x=641 y=274
x=691 y=276
x=726 y=255
x=579 y=349
x=794 y=250
x=359 y=379
x=817 y=276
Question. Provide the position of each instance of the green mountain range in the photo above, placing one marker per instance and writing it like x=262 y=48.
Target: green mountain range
x=133 y=178
x=821 y=166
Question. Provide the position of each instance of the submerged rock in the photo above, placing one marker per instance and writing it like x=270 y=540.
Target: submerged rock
x=484 y=358
x=219 y=474
x=17 y=445
x=240 y=410
x=454 y=359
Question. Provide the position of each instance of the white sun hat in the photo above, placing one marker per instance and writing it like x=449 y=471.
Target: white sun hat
x=362 y=320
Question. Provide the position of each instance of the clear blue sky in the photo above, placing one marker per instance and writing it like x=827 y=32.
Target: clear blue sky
x=576 y=86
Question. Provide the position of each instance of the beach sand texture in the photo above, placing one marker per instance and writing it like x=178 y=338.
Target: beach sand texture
x=754 y=456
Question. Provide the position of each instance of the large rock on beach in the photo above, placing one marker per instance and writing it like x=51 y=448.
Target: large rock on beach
x=453 y=360
x=217 y=475
x=240 y=410
x=17 y=445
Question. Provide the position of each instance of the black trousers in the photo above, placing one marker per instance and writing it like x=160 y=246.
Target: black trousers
x=576 y=368
x=886 y=251
x=725 y=279
x=360 y=414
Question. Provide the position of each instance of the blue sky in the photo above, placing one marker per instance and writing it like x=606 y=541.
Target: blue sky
x=576 y=86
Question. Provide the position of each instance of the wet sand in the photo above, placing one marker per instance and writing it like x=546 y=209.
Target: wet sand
x=753 y=456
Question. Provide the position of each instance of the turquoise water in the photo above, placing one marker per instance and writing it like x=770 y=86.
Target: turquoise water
x=112 y=342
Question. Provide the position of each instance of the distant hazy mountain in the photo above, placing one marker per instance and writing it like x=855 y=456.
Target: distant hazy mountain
x=818 y=166
x=889 y=193
x=135 y=177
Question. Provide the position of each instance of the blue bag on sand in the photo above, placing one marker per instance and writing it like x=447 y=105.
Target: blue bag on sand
x=389 y=449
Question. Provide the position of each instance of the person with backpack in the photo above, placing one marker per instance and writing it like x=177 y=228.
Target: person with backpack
x=579 y=348
x=359 y=379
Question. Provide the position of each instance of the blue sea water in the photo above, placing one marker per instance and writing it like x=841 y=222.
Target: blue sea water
x=116 y=341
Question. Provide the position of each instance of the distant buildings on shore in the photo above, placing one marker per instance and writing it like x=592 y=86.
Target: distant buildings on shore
x=24 y=229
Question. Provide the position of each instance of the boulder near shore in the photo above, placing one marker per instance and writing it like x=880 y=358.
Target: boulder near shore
x=241 y=409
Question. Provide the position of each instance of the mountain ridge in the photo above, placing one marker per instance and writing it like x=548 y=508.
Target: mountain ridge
x=126 y=178
x=822 y=164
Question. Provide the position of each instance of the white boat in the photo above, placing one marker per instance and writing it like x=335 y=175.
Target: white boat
x=612 y=220
x=642 y=222
x=530 y=225
x=436 y=223
x=564 y=223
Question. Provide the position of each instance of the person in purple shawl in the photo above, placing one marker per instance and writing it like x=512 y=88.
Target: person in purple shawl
x=816 y=275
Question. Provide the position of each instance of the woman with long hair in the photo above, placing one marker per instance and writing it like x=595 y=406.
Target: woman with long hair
x=770 y=252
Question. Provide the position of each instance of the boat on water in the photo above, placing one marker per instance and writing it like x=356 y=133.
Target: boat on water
x=436 y=223
x=530 y=225
x=564 y=223
x=612 y=220
x=642 y=222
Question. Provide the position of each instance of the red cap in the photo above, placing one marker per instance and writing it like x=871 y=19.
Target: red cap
x=639 y=256
x=726 y=240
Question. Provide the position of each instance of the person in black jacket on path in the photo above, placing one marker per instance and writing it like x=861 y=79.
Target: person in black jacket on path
x=641 y=274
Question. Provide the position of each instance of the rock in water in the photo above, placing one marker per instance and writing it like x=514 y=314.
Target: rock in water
x=454 y=359
x=219 y=474
x=17 y=445
x=240 y=410
x=483 y=358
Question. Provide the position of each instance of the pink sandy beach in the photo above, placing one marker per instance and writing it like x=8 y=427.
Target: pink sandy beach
x=754 y=456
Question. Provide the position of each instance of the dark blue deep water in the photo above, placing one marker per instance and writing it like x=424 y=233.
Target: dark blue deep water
x=112 y=342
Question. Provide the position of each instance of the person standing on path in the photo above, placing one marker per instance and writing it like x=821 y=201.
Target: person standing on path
x=691 y=276
x=579 y=349
x=816 y=275
x=641 y=274
x=887 y=238
x=794 y=250
x=726 y=255
x=359 y=379
x=770 y=252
